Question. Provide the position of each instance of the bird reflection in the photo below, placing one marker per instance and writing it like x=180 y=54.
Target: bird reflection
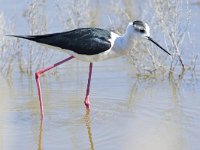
x=40 y=136
x=88 y=125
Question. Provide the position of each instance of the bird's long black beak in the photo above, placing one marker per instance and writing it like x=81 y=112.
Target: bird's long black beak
x=150 y=39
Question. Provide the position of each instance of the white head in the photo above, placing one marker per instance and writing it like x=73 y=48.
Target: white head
x=139 y=29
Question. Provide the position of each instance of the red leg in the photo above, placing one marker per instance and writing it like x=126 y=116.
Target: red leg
x=37 y=76
x=87 y=101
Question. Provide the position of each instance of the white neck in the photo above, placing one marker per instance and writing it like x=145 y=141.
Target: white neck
x=123 y=44
x=128 y=38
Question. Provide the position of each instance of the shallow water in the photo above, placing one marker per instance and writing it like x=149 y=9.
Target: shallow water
x=127 y=113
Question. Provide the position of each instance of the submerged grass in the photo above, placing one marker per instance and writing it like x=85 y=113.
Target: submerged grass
x=171 y=19
x=167 y=17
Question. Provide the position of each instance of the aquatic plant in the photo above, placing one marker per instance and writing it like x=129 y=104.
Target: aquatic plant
x=170 y=21
x=166 y=22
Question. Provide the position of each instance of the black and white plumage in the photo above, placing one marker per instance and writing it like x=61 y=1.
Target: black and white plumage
x=91 y=45
x=94 y=44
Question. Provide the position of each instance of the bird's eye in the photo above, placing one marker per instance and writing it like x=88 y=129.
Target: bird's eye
x=142 y=31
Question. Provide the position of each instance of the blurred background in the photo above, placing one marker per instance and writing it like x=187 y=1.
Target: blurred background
x=143 y=101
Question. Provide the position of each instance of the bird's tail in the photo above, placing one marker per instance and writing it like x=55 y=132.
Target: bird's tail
x=21 y=36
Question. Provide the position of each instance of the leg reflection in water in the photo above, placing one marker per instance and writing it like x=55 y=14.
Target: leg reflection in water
x=40 y=136
x=88 y=125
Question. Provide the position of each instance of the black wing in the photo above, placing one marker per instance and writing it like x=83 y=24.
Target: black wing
x=88 y=41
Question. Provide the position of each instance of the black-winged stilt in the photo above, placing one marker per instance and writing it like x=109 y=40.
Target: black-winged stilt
x=91 y=45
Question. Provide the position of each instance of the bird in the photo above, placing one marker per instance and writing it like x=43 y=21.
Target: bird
x=90 y=45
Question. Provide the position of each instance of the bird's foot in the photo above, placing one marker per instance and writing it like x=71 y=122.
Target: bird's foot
x=87 y=102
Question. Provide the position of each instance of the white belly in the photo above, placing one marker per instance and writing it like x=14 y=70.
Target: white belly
x=93 y=58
